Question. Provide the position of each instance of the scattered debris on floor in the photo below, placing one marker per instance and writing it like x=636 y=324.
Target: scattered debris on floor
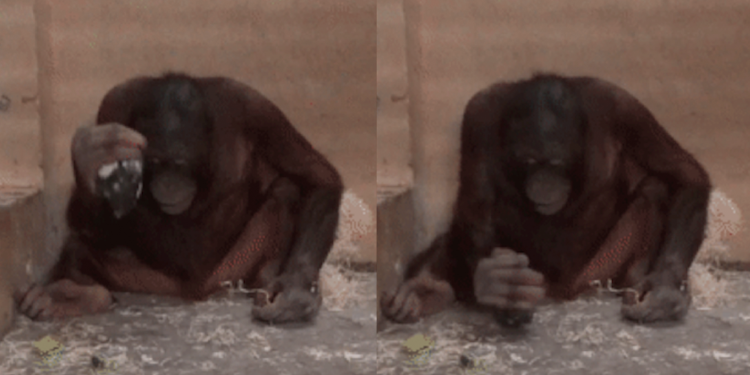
x=339 y=283
x=147 y=334
x=724 y=222
x=587 y=336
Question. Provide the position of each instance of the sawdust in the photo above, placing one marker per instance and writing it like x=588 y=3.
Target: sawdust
x=586 y=336
x=139 y=347
x=154 y=336
x=340 y=285
x=724 y=221
x=567 y=338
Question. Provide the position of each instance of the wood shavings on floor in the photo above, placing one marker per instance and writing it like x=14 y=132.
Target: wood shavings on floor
x=724 y=221
x=147 y=334
x=340 y=285
x=588 y=336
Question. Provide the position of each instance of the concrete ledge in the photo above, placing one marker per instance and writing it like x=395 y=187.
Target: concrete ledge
x=395 y=230
x=21 y=234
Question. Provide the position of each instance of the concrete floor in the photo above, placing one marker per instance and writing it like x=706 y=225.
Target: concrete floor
x=151 y=335
x=585 y=336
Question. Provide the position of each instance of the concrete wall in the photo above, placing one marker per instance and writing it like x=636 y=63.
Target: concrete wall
x=315 y=60
x=19 y=125
x=394 y=139
x=21 y=209
x=685 y=60
x=395 y=221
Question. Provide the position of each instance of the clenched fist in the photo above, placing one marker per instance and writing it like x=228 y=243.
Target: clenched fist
x=505 y=282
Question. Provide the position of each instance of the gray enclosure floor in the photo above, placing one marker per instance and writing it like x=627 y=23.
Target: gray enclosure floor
x=154 y=335
x=585 y=336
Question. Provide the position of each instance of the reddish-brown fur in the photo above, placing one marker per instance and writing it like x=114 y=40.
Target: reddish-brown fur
x=265 y=210
x=636 y=213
